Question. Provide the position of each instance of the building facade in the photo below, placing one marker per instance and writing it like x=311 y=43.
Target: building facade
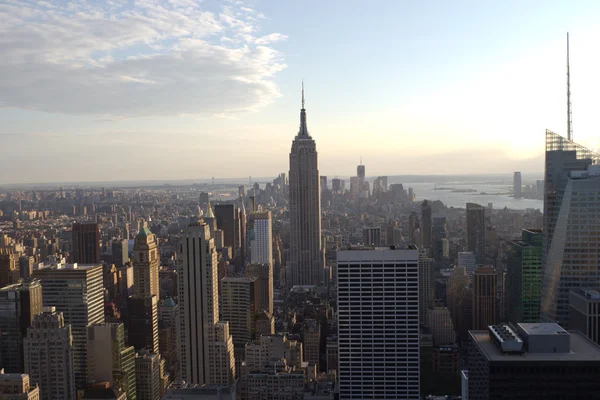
x=49 y=353
x=86 y=243
x=378 y=317
x=476 y=231
x=306 y=257
x=485 y=289
x=584 y=312
x=264 y=275
x=260 y=236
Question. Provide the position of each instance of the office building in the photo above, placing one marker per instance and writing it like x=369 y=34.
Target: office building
x=311 y=341
x=150 y=380
x=49 y=352
x=206 y=346
x=306 y=256
x=485 y=289
x=86 y=243
x=439 y=245
x=168 y=313
x=439 y=321
x=374 y=236
x=264 y=273
x=142 y=323
x=226 y=216
x=239 y=302
x=120 y=253
x=260 y=237
x=109 y=359
x=426 y=224
x=457 y=284
x=517 y=186
x=584 y=312
x=360 y=173
x=476 y=231
x=9 y=273
x=26 y=266
x=76 y=290
x=571 y=219
x=19 y=303
x=378 y=351
x=145 y=264
x=466 y=259
x=17 y=386
x=524 y=277
x=534 y=361
x=426 y=286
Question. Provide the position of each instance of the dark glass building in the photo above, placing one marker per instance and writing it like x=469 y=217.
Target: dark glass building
x=86 y=243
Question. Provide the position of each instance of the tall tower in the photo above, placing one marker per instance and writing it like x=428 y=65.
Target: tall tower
x=206 y=347
x=485 y=290
x=306 y=255
x=145 y=264
x=260 y=236
x=426 y=224
x=86 y=243
x=476 y=231
x=569 y=110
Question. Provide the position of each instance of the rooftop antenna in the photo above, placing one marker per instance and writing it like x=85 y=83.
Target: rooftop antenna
x=303 y=94
x=569 y=115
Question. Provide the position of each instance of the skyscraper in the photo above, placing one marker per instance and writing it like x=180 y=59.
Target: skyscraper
x=86 y=243
x=306 y=254
x=426 y=286
x=485 y=288
x=360 y=173
x=264 y=273
x=19 y=304
x=206 y=347
x=9 y=273
x=145 y=264
x=261 y=237
x=142 y=323
x=439 y=239
x=109 y=359
x=426 y=224
x=77 y=292
x=524 y=277
x=571 y=220
x=476 y=231
x=517 y=186
x=120 y=252
x=378 y=351
x=226 y=215
x=49 y=355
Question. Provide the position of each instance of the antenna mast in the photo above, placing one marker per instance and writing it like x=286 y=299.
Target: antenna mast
x=569 y=116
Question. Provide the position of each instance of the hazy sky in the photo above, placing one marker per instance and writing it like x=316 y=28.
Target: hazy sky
x=177 y=89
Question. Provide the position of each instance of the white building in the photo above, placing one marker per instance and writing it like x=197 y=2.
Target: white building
x=48 y=350
x=260 y=237
x=378 y=323
x=206 y=347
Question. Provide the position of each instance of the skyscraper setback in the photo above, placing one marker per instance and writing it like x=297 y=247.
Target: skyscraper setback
x=306 y=254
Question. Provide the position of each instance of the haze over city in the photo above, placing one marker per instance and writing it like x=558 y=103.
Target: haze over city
x=187 y=90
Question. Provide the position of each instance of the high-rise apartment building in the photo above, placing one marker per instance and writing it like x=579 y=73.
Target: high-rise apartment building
x=571 y=220
x=476 y=231
x=306 y=257
x=584 y=312
x=19 y=303
x=534 y=361
x=378 y=323
x=260 y=237
x=9 y=273
x=517 y=186
x=17 y=386
x=206 y=346
x=86 y=243
x=485 y=289
x=109 y=359
x=48 y=350
x=524 y=277
x=76 y=290
x=426 y=224
x=264 y=273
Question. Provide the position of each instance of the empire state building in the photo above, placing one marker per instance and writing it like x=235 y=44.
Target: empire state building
x=306 y=253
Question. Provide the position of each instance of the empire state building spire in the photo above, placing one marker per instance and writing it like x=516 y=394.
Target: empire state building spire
x=303 y=127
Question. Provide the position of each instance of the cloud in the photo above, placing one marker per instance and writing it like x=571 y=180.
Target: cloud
x=159 y=57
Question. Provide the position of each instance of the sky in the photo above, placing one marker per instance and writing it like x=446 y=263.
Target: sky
x=186 y=89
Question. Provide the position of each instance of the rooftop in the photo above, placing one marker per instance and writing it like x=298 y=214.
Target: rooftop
x=589 y=294
x=69 y=267
x=542 y=329
x=582 y=349
x=239 y=279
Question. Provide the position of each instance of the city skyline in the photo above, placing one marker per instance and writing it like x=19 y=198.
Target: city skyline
x=103 y=89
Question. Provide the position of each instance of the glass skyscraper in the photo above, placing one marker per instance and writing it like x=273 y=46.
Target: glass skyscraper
x=571 y=258
x=524 y=277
